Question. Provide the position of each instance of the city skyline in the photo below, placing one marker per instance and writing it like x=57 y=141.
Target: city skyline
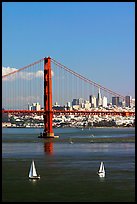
x=94 y=102
x=96 y=36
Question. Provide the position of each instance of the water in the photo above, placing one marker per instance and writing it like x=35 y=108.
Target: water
x=68 y=170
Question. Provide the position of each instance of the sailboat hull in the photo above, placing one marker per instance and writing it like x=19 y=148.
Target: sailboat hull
x=101 y=174
x=34 y=177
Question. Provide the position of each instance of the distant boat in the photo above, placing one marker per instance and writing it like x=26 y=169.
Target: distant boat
x=101 y=171
x=32 y=172
x=70 y=141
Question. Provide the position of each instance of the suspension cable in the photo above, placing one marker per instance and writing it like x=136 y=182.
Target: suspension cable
x=85 y=79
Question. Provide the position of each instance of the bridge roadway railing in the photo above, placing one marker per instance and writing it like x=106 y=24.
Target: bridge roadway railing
x=72 y=112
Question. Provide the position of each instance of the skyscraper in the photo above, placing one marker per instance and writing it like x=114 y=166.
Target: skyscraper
x=128 y=100
x=104 y=102
x=99 y=99
x=115 y=101
x=92 y=100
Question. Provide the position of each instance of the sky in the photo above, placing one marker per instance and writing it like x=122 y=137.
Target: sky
x=94 y=39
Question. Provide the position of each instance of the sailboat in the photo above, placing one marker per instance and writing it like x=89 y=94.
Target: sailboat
x=70 y=141
x=101 y=171
x=32 y=172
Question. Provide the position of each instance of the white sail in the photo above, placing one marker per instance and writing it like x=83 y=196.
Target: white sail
x=32 y=171
x=101 y=171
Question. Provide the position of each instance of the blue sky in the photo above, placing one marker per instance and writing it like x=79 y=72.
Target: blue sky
x=95 y=39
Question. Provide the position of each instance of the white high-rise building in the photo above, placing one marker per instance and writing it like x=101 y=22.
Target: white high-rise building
x=29 y=107
x=104 y=101
x=93 y=101
x=87 y=105
x=133 y=102
x=38 y=106
x=68 y=104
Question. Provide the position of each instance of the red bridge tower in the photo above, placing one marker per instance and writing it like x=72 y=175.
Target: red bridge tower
x=48 y=112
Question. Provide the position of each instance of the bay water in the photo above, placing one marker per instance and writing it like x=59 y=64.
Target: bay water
x=68 y=165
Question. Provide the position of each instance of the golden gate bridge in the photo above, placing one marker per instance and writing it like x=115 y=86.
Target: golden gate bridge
x=50 y=82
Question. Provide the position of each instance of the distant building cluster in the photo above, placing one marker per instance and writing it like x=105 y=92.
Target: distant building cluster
x=99 y=101
x=102 y=101
x=93 y=103
x=34 y=106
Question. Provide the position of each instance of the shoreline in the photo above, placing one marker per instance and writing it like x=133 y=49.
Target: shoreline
x=75 y=127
